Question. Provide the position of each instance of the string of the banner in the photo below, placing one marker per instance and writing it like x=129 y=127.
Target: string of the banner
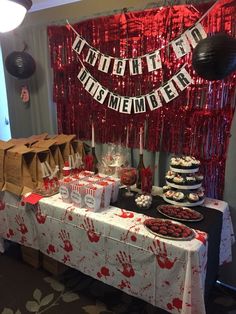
x=82 y=64
x=143 y=56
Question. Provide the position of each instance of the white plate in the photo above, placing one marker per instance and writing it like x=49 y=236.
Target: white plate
x=188 y=204
x=184 y=170
x=190 y=237
x=184 y=187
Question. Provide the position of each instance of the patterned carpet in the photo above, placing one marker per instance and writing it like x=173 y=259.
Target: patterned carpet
x=24 y=289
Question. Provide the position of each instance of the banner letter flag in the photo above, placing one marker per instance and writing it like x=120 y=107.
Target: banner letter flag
x=154 y=100
x=114 y=102
x=119 y=67
x=182 y=79
x=125 y=105
x=135 y=66
x=101 y=94
x=83 y=75
x=91 y=57
x=78 y=44
x=168 y=91
x=104 y=63
x=181 y=46
x=138 y=103
x=153 y=61
x=91 y=86
x=195 y=34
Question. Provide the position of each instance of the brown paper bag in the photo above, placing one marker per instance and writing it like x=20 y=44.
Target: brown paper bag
x=55 y=157
x=4 y=146
x=18 y=170
x=42 y=155
x=35 y=138
x=64 y=143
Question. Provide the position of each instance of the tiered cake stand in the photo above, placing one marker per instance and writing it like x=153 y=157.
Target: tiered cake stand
x=184 y=188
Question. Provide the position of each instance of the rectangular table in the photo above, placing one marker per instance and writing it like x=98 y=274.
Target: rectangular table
x=114 y=247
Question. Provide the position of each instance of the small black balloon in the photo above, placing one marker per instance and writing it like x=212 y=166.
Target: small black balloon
x=214 y=58
x=20 y=64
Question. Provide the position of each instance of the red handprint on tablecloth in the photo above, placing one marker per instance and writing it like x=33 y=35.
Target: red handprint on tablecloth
x=125 y=214
x=10 y=233
x=159 y=249
x=51 y=249
x=39 y=216
x=176 y=303
x=125 y=261
x=21 y=223
x=65 y=237
x=2 y=205
x=89 y=226
x=201 y=236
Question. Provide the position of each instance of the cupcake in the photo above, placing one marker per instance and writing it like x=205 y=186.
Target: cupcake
x=170 y=175
x=185 y=164
x=193 y=197
x=175 y=162
x=195 y=162
x=178 y=179
x=178 y=196
x=190 y=180
x=166 y=188
x=199 y=177
x=169 y=194
x=200 y=193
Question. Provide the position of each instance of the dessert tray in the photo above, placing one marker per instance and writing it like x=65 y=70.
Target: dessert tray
x=184 y=187
x=186 y=170
x=168 y=229
x=180 y=213
x=188 y=204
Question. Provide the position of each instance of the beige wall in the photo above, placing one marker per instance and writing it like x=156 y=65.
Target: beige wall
x=85 y=9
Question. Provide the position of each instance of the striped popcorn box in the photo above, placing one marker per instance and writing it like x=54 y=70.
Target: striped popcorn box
x=106 y=195
x=115 y=187
x=78 y=193
x=93 y=197
x=65 y=189
x=91 y=179
x=100 y=176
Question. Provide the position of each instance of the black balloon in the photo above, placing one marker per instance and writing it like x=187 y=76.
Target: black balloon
x=214 y=58
x=20 y=64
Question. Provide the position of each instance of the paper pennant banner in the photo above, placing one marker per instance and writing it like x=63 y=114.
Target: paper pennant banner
x=153 y=100
x=138 y=103
x=182 y=79
x=83 y=75
x=168 y=91
x=181 y=46
x=91 y=57
x=78 y=44
x=154 y=61
x=101 y=94
x=114 y=102
x=119 y=67
x=125 y=105
x=104 y=63
x=135 y=66
x=91 y=86
x=195 y=34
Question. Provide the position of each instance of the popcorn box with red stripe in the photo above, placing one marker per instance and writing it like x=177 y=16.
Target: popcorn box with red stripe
x=78 y=193
x=65 y=189
x=106 y=195
x=93 y=197
x=115 y=187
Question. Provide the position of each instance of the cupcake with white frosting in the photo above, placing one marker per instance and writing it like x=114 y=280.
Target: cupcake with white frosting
x=193 y=197
x=178 y=196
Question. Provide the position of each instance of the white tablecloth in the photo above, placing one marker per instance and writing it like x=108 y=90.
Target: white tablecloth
x=114 y=247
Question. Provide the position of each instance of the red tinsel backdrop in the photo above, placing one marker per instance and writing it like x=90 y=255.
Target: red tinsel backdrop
x=195 y=123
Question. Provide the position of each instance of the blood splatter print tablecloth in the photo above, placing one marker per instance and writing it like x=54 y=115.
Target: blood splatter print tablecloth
x=114 y=246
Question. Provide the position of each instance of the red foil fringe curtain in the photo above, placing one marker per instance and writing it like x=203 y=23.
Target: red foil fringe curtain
x=196 y=123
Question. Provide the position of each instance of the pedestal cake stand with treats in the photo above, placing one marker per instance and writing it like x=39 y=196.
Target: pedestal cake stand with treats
x=184 y=182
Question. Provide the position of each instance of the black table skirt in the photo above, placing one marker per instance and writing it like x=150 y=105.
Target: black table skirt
x=211 y=224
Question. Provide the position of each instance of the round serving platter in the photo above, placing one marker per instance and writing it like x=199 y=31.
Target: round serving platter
x=190 y=170
x=190 y=237
x=184 y=187
x=187 y=204
x=200 y=216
